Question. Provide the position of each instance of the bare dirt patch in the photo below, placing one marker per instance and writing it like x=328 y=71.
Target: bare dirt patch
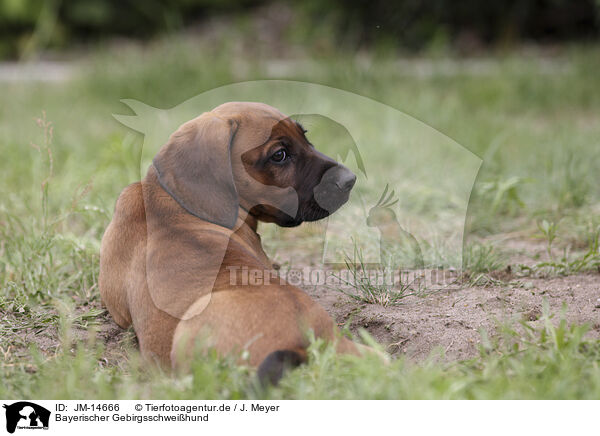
x=448 y=321
x=451 y=320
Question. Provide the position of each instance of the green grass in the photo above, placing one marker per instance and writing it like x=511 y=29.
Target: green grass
x=482 y=258
x=552 y=362
x=567 y=263
x=534 y=122
x=375 y=285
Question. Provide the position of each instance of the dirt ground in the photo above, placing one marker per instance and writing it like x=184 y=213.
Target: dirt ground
x=447 y=320
x=451 y=320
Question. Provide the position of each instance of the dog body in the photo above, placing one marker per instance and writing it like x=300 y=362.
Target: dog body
x=180 y=235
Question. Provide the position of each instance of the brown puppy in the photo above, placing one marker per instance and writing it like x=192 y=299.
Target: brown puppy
x=169 y=258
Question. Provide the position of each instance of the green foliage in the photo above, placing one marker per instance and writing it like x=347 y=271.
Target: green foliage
x=429 y=23
x=554 y=361
x=30 y=25
x=504 y=194
x=567 y=263
x=482 y=258
x=375 y=285
x=549 y=231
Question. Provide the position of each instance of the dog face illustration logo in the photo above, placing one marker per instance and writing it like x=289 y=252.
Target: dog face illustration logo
x=26 y=415
x=420 y=227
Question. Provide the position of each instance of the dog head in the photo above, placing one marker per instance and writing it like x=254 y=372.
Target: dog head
x=250 y=155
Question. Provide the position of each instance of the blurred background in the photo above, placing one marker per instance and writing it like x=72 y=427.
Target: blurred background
x=28 y=27
x=515 y=82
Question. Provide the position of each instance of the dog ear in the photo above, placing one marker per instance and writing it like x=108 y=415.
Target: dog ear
x=194 y=167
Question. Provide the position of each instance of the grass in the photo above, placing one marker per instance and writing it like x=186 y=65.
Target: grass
x=552 y=362
x=375 y=286
x=65 y=159
x=568 y=263
x=482 y=258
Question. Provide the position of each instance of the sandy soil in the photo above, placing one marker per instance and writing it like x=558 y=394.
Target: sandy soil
x=444 y=321
x=451 y=320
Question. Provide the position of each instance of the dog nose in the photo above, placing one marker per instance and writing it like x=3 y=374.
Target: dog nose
x=334 y=189
x=346 y=180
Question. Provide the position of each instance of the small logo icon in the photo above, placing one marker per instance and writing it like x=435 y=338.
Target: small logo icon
x=398 y=248
x=26 y=415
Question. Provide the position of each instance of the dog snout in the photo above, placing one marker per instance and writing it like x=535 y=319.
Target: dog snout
x=334 y=189
x=345 y=180
x=338 y=180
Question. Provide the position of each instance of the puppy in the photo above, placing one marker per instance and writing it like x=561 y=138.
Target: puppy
x=171 y=256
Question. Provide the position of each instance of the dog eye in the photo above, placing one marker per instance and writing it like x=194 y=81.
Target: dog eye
x=279 y=156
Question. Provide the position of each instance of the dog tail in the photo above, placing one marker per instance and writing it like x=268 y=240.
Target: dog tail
x=277 y=363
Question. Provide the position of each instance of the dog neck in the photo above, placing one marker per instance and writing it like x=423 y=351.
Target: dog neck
x=169 y=213
x=244 y=218
x=245 y=231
